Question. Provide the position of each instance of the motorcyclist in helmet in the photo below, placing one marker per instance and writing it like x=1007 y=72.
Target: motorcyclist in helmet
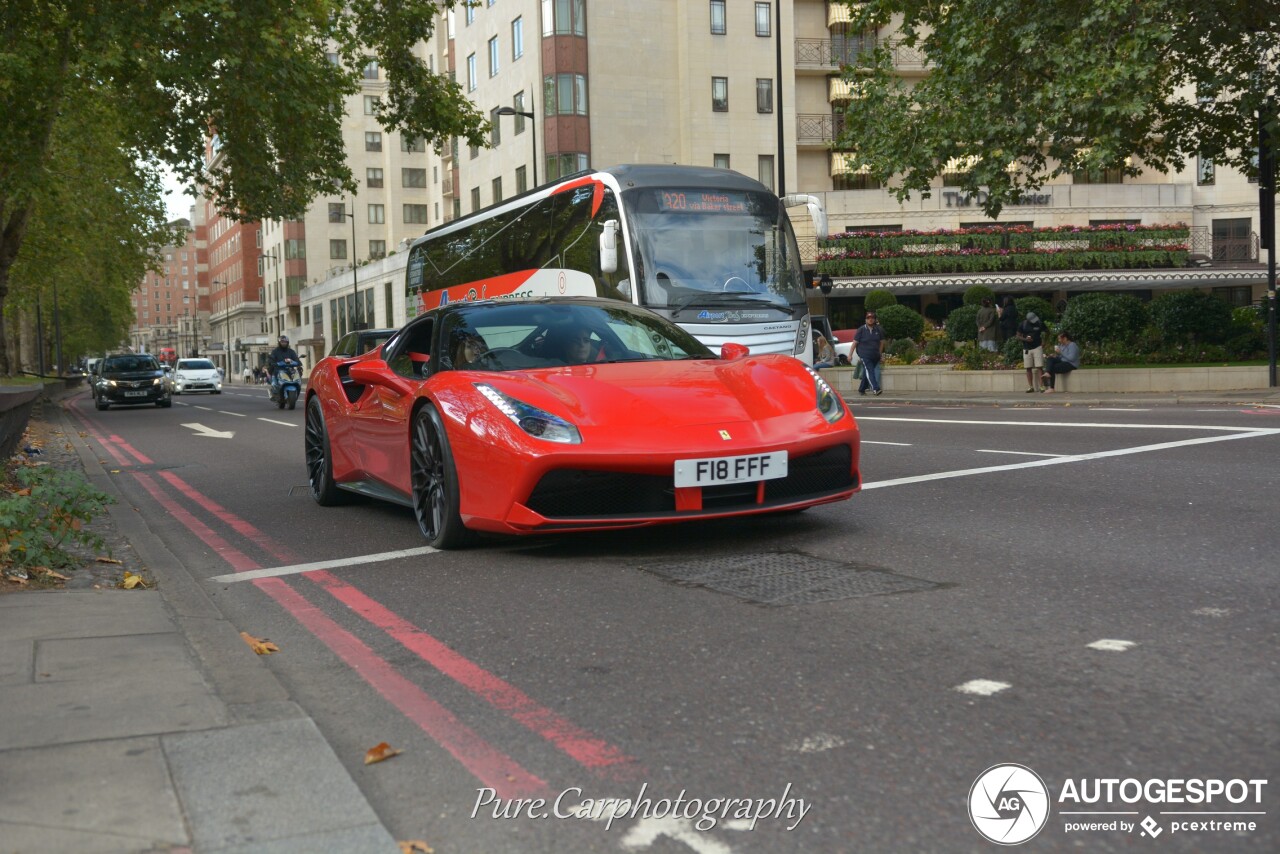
x=282 y=353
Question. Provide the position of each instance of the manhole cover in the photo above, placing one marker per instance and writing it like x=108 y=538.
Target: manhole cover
x=788 y=578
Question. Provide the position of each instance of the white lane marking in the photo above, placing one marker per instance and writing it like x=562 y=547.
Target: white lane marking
x=283 y=423
x=900 y=444
x=273 y=572
x=209 y=432
x=1116 y=409
x=180 y=403
x=205 y=408
x=982 y=687
x=1216 y=427
x=236 y=414
x=1163 y=446
x=1111 y=645
x=1019 y=453
x=816 y=743
x=1211 y=612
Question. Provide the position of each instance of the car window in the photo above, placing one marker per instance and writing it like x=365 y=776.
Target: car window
x=411 y=349
x=370 y=342
x=195 y=365
x=131 y=363
x=346 y=345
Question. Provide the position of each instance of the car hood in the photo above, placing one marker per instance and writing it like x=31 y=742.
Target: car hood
x=198 y=374
x=666 y=395
x=131 y=375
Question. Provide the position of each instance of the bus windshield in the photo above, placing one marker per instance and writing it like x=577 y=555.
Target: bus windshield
x=699 y=247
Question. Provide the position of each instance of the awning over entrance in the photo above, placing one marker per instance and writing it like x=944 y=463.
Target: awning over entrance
x=1077 y=280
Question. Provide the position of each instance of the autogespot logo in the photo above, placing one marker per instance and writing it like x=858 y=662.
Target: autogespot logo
x=1008 y=804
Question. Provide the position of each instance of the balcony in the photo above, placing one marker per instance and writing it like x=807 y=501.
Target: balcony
x=819 y=129
x=827 y=55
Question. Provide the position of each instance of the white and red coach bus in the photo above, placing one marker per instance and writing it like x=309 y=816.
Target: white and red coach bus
x=711 y=249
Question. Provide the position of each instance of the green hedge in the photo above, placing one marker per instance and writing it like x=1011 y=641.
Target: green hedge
x=1004 y=261
x=1016 y=237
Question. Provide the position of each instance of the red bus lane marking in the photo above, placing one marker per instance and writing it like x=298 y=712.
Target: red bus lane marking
x=240 y=526
x=487 y=764
x=107 y=445
x=584 y=748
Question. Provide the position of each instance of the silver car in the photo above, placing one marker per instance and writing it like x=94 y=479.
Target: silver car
x=196 y=375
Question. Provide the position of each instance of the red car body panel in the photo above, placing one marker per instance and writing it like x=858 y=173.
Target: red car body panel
x=637 y=418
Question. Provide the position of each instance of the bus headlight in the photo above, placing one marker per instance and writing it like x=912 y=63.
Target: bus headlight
x=803 y=344
x=829 y=404
x=532 y=420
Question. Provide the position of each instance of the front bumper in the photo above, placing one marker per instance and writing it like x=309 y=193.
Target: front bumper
x=127 y=393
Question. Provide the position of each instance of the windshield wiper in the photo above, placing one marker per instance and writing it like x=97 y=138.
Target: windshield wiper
x=719 y=299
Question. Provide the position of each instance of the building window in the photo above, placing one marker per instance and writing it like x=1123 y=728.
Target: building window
x=333 y=58
x=416 y=145
x=517 y=38
x=413 y=177
x=518 y=103
x=415 y=214
x=764 y=20
x=720 y=161
x=471 y=15
x=471 y=70
x=337 y=212
x=371 y=70
x=522 y=179
x=1204 y=171
x=377 y=214
x=475 y=152
x=475 y=198
x=372 y=141
x=766 y=170
x=338 y=249
x=497 y=190
x=566 y=94
x=560 y=165
x=493 y=57
x=1098 y=176
x=370 y=104
x=372 y=177
x=495 y=128
x=764 y=95
x=295 y=249
x=717 y=18
x=564 y=18
x=720 y=94
x=377 y=248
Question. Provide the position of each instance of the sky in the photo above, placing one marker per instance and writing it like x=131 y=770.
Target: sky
x=178 y=200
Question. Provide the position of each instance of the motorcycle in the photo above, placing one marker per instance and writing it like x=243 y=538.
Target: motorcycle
x=286 y=384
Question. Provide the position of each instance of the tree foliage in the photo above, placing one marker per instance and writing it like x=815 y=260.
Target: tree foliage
x=879 y=298
x=1020 y=93
x=901 y=322
x=256 y=76
x=1191 y=315
x=1101 y=317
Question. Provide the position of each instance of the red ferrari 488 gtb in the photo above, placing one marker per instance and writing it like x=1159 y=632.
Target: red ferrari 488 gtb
x=566 y=414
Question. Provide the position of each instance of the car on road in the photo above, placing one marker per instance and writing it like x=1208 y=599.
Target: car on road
x=131 y=379
x=567 y=414
x=196 y=375
x=361 y=341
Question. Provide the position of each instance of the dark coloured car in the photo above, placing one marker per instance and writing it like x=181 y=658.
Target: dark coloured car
x=361 y=341
x=131 y=379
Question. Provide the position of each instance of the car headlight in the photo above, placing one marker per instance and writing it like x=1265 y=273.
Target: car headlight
x=158 y=381
x=531 y=419
x=110 y=383
x=829 y=403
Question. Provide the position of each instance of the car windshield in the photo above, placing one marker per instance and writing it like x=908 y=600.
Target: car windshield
x=699 y=247
x=370 y=340
x=131 y=363
x=195 y=365
x=524 y=336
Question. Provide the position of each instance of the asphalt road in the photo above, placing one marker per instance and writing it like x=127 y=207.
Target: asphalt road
x=870 y=659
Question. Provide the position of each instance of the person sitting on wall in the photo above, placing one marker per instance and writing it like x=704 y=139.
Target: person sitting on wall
x=1066 y=360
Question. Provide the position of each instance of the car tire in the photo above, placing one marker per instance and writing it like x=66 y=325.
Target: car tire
x=319 y=458
x=102 y=405
x=434 y=480
x=167 y=403
x=293 y=399
x=217 y=391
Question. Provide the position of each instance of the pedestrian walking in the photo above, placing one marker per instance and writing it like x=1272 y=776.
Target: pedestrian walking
x=988 y=325
x=869 y=345
x=246 y=376
x=1031 y=334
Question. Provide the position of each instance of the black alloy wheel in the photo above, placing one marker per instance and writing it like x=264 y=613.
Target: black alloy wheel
x=434 y=479
x=319 y=461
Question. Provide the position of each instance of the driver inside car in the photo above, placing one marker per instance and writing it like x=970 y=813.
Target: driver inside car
x=575 y=346
x=470 y=348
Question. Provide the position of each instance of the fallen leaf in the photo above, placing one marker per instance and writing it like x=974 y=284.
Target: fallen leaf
x=379 y=753
x=260 y=646
x=44 y=570
x=16 y=580
x=131 y=581
x=411 y=846
x=108 y=560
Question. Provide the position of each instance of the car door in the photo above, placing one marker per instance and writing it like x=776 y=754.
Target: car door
x=384 y=420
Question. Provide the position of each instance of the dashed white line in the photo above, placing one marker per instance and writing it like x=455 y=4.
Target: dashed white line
x=272 y=572
x=281 y=423
x=1116 y=409
x=1020 y=453
x=236 y=414
x=982 y=687
x=205 y=408
x=1212 y=612
x=899 y=444
x=1111 y=645
x=1097 y=424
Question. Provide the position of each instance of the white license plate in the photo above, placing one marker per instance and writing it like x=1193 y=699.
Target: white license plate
x=135 y=394
x=714 y=471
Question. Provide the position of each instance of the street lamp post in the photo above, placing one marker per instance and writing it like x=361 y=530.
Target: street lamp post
x=533 y=134
x=355 y=277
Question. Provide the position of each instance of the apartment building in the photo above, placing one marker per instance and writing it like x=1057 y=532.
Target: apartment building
x=755 y=86
x=171 y=304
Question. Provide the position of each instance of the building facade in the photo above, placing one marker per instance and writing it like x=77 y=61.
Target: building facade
x=171 y=304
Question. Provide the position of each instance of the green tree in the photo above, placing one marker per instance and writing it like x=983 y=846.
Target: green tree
x=901 y=322
x=1191 y=315
x=962 y=324
x=975 y=294
x=254 y=75
x=878 y=299
x=1019 y=93
x=1099 y=317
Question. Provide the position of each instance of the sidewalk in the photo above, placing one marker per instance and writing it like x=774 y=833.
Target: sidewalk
x=140 y=721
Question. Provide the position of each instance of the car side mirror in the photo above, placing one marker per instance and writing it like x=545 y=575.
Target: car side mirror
x=730 y=350
x=379 y=373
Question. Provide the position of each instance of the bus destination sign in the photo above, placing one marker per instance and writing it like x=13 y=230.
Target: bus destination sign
x=694 y=201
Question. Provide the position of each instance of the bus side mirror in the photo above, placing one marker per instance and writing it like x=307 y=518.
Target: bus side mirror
x=609 y=247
